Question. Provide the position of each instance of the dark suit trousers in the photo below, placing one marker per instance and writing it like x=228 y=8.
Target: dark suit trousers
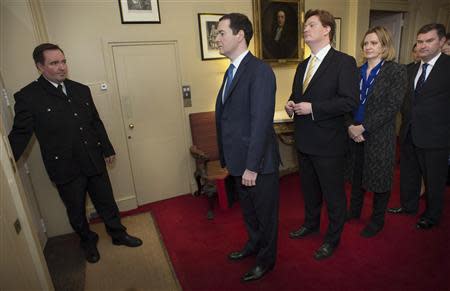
x=323 y=177
x=432 y=165
x=73 y=194
x=260 y=210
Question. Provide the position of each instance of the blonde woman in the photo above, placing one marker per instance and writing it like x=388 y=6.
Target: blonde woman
x=371 y=127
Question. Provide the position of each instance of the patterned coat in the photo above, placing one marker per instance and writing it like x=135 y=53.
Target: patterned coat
x=383 y=104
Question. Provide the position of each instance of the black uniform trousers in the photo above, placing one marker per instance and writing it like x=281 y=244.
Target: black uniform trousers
x=73 y=194
x=432 y=165
x=259 y=206
x=323 y=178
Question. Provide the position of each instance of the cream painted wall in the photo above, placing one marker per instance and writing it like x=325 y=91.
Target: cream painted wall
x=82 y=27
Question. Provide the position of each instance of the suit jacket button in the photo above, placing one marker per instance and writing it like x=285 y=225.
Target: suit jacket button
x=85 y=142
x=49 y=109
x=56 y=157
x=75 y=114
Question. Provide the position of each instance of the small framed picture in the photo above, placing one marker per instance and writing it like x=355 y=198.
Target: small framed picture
x=208 y=25
x=139 y=11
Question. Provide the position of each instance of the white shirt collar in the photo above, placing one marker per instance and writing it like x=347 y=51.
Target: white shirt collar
x=432 y=61
x=53 y=83
x=239 y=59
x=322 y=52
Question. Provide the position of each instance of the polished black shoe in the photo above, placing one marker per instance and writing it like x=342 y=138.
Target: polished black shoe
x=91 y=253
x=400 y=210
x=239 y=255
x=302 y=232
x=325 y=251
x=256 y=273
x=371 y=230
x=127 y=240
x=351 y=216
x=89 y=247
x=424 y=223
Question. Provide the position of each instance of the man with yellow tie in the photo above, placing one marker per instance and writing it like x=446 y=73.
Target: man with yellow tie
x=325 y=89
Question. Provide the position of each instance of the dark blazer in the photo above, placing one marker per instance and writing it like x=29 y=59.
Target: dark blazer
x=62 y=124
x=245 y=133
x=333 y=92
x=427 y=113
x=383 y=104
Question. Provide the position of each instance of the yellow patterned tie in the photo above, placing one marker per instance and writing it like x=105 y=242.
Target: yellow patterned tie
x=309 y=73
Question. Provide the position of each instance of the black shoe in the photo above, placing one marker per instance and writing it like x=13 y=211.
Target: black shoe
x=371 y=230
x=239 y=255
x=256 y=273
x=400 y=210
x=127 y=240
x=90 y=250
x=350 y=216
x=424 y=223
x=325 y=251
x=302 y=232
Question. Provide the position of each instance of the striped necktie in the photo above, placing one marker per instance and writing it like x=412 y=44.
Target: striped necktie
x=421 y=80
x=309 y=73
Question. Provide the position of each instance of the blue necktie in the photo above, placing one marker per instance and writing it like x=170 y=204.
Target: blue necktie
x=421 y=80
x=229 y=81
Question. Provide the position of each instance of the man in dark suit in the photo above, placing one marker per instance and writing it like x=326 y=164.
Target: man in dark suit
x=74 y=146
x=247 y=143
x=325 y=89
x=425 y=131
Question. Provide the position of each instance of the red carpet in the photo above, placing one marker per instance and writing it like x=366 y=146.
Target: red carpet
x=399 y=258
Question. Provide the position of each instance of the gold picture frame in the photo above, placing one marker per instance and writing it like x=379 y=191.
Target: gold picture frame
x=278 y=26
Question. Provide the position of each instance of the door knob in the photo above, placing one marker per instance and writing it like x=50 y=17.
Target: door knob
x=131 y=125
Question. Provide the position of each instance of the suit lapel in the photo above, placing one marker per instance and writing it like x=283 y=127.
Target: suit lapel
x=240 y=71
x=219 y=96
x=322 y=68
x=301 y=73
x=436 y=71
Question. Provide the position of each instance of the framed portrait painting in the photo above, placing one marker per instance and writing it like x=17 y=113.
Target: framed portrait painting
x=139 y=11
x=278 y=26
x=208 y=26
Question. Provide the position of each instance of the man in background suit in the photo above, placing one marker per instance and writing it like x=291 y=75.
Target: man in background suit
x=415 y=57
x=446 y=50
x=325 y=89
x=425 y=131
x=74 y=146
x=247 y=143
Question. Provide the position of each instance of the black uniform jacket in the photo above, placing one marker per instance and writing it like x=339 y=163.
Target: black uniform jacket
x=68 y=129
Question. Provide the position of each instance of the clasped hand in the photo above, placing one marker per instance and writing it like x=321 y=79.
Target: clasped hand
x=355 y=132
x=302 y=108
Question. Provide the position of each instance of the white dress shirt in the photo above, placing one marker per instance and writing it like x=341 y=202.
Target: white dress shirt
x=429 y=68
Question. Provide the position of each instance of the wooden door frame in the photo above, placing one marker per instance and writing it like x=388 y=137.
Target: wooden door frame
x=23 y=212
x=110 y=69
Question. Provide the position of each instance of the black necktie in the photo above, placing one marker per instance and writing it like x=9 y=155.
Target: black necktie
x=421 y=80
x=60 y=89
x=229 y=81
